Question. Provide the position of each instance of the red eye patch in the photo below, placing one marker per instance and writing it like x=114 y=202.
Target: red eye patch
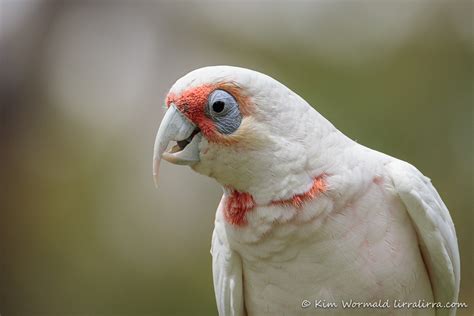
x=192 y=103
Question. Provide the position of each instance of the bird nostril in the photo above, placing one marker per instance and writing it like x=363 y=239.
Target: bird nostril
x=185 y=108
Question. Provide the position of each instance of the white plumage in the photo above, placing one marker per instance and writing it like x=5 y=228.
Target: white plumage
x=377 y=230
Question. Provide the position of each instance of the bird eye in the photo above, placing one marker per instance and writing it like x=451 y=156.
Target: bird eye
x=218 y=106
x=224 y=110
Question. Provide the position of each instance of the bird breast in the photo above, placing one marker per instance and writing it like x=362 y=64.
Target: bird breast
x=329 y=250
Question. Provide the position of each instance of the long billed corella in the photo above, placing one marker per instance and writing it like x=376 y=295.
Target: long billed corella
x=309 y=217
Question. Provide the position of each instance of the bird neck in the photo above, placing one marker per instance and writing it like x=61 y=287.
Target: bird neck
x=238 y=204
x=284 y=171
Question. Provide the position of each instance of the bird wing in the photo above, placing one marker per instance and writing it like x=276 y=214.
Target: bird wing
x=435 y=230
x=227 y=273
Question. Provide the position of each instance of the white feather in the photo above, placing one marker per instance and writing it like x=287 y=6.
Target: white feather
x=227 y=275
x=435 y=231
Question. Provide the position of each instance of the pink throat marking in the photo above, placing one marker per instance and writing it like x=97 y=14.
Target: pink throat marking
x=238 y=204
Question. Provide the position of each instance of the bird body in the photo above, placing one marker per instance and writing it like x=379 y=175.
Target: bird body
x=307 y=213
x=361 y=247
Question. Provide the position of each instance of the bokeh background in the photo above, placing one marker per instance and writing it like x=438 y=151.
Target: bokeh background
x=83 y=231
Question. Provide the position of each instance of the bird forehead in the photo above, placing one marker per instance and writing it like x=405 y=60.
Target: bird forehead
x=210 y=75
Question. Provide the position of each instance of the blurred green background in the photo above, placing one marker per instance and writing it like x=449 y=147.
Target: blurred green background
x=83 y=231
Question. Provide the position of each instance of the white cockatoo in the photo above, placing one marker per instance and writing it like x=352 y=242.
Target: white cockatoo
x=308 y=218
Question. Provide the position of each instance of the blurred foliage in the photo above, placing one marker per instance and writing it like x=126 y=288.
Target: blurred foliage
x=82 y=230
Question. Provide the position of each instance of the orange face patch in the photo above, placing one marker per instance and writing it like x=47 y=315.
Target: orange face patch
x=192 y=103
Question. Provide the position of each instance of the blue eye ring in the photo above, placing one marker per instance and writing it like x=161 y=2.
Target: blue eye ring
x=224 y=110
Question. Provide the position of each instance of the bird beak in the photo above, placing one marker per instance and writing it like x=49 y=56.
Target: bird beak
x=176 y=127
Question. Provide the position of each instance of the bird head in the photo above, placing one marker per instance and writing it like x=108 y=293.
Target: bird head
x=243 y=128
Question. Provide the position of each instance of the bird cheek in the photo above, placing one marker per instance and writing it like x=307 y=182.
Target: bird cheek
x=207 y=127
x=208 y=151
x=209 y=154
